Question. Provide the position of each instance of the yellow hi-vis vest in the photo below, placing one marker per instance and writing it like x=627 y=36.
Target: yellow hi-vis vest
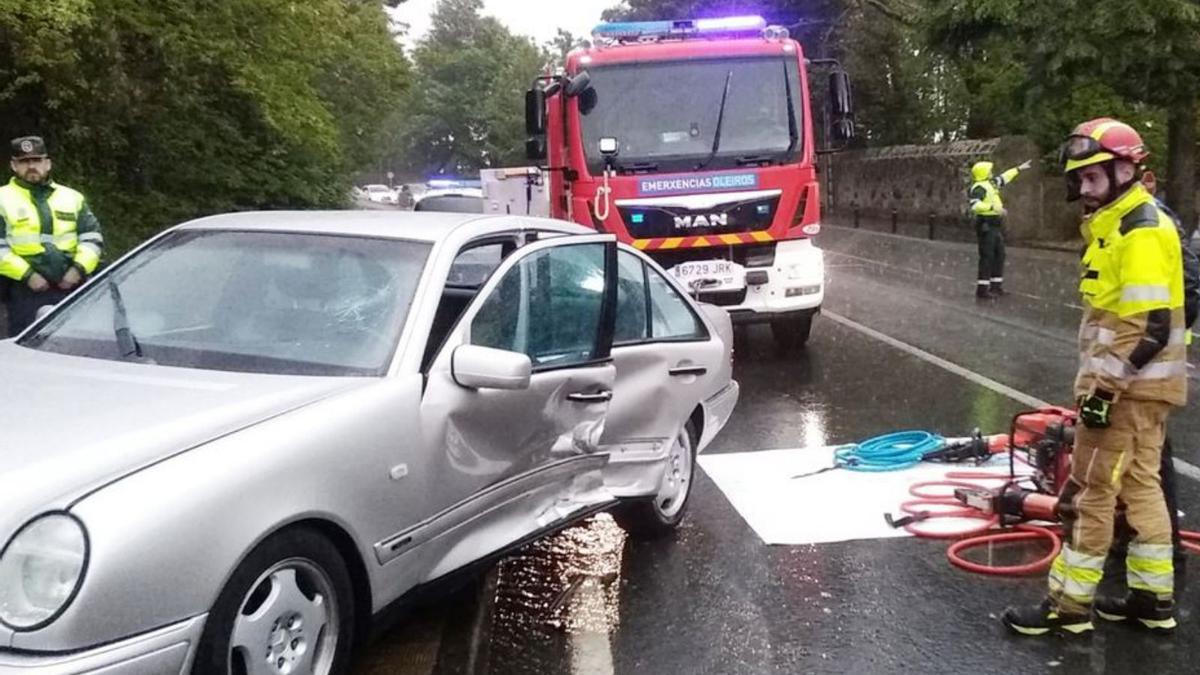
x=990 y=203
x=1131 y=267
x=24 y=237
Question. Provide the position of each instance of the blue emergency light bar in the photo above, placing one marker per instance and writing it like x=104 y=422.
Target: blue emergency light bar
x=677 y=29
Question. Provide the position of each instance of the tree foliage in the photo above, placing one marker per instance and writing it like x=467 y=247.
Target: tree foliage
x=466 y=111
x=1134 y=59
x=168 y=110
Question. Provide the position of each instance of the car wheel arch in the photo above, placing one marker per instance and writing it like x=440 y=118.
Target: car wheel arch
x=346 y=547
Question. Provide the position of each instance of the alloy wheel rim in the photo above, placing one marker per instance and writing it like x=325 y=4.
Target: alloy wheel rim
x=677 y=477
x=287 y=623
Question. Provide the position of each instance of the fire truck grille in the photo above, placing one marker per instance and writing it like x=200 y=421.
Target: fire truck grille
x=650 y=222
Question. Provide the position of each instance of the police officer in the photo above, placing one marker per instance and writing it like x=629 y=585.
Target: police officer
x=989 y=213
x=51 y=240
x=1132 y=371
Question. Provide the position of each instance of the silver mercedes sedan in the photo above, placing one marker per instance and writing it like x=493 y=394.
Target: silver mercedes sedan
x=236 y=447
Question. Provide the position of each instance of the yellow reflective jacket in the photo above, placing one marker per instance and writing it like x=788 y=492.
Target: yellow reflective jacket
x=985 y=194
x=1132 y=338
x=46 y=228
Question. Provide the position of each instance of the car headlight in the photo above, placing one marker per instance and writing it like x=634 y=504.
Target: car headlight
x=40 y=570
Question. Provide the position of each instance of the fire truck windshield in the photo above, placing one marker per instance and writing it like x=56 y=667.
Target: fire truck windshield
x=660 y=132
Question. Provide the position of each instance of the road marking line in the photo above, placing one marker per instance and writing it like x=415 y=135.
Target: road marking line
x=1182 y=466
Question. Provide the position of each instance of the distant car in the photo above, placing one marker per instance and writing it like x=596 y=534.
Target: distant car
x=453 y=200
x=230 y=450
x=380 y=194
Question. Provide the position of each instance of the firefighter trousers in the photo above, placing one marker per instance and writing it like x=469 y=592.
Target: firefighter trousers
x=1120 y=462
x=1114 y=565
x=990 y=232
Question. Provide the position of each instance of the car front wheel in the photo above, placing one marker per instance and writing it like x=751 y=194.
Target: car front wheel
x=288 y=609
x=662 y=513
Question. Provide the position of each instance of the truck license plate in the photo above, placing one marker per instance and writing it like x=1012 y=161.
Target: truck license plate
x=711 y=275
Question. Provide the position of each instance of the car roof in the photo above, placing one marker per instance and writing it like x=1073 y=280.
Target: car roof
x=429 y=226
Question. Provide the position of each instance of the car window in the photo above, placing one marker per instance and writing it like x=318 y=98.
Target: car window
x=473 y=266
x=267 y=302
x=631 y=323
x=548 y=306
x=670 y=315
x=451 y=203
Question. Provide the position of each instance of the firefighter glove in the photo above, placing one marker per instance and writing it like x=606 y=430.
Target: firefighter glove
x=1094 y=410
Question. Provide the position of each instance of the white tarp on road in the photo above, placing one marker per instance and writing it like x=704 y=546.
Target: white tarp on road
x=839 y=505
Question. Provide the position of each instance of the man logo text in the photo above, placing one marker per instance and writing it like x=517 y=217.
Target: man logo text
x=692 y=222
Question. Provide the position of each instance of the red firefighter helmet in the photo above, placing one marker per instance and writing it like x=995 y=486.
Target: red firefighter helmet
x=1101 y=140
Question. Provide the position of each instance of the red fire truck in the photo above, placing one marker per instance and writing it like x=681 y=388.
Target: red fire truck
x=693 y=141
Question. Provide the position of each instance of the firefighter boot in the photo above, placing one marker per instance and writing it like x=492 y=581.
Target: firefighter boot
x=996 y=289
x=1141 y=608
x=1042 y=619
x=981 y=292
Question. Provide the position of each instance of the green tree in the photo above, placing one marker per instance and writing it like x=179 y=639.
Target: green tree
x=557 y=48
x=466 y=112
x=1137 y=59
x=168 y=110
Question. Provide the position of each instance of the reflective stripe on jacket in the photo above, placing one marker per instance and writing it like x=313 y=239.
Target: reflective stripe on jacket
x=1132 y=339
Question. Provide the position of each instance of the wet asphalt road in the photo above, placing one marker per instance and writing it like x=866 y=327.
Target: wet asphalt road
x=715 y=599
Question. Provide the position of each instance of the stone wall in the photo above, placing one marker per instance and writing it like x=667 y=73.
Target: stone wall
x=911 y=188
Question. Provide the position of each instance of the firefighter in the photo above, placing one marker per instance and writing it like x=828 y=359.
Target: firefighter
x=1114 y=565
x=1132 y=371
x=51 y=240
x=989 y=213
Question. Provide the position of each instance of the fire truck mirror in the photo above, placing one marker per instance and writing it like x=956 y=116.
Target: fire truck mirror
x=840 y=101
x=535 y=112
x=843 y=130
x=578 y=84
x=535 y=147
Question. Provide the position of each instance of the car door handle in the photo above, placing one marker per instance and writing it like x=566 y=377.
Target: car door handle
x=597 y=397
x=680 y=371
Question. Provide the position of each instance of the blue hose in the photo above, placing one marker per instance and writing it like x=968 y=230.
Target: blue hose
x=890 y=452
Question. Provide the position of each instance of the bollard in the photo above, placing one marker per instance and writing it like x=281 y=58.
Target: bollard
x=931 y=223
x=856 y=217
x=895 y=228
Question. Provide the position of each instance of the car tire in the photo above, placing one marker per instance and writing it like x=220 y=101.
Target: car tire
x=269 y=610
x=661 y=514
x=792 y=333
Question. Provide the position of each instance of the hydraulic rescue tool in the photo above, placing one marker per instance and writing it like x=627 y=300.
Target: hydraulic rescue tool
x=1043 y=439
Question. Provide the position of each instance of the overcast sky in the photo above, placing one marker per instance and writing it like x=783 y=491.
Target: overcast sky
x=538 y=19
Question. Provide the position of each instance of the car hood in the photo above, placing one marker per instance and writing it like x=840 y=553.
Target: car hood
x=69 y=425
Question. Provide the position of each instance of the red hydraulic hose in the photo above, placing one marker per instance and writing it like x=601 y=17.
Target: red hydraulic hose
x=945 y=505
x=1024 y=532
x=988 y=521
x=915 y=489
x=1189 y=539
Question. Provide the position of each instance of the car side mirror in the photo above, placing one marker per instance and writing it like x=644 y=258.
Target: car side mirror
x=476 y=367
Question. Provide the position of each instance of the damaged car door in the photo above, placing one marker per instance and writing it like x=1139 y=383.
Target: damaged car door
x=517 y=398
